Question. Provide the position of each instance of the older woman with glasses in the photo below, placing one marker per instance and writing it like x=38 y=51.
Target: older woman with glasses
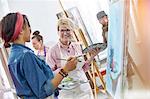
x=56 y=58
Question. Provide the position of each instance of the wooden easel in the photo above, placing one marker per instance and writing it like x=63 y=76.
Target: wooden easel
x=79 y=36
x=94 y=67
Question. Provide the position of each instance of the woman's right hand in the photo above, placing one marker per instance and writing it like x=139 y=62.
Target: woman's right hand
x=71 y=64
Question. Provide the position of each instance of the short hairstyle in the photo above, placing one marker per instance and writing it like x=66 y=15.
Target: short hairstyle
x=65 y=21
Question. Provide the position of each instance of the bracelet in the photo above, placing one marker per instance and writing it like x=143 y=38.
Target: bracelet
x=63 y=73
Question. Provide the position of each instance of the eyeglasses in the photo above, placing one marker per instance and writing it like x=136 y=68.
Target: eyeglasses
x=64 y=30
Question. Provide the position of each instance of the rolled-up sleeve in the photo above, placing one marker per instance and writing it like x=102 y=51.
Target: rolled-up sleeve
x=36 y=78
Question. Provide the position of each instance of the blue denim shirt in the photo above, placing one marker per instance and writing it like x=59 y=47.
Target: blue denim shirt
x=31 y=75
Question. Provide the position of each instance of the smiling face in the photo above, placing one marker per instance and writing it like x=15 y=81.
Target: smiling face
x=65 y=33
x=65 y=29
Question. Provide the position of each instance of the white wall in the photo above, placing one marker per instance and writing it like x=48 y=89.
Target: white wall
x=42 y=15
x=4 y=9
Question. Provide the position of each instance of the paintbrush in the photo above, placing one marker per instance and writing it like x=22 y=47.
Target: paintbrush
x=76 y=57
x=66 y=59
